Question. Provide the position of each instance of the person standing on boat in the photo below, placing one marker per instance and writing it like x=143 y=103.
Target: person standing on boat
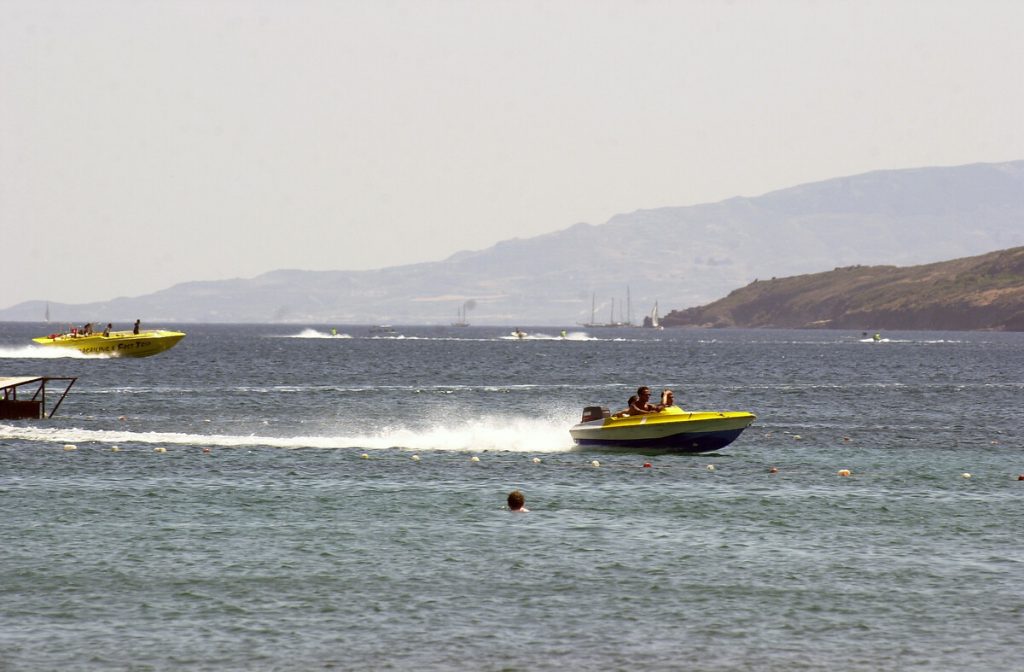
x=642 y=405
x=106 y=332
x=136 y=329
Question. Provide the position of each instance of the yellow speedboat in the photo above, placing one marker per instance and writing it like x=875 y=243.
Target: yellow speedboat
x=116 y=343
x=671 y=430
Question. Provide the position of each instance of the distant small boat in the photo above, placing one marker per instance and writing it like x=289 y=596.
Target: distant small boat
x=116 y=343
x=382 y=329
x=654 y=321
x=461 y=320
x=519 y=333
x=612 y=322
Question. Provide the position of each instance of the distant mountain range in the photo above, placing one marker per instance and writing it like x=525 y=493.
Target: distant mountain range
x=678 y=256
x=985 y=292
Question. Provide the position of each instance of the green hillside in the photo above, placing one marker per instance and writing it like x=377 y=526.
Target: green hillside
x=974 y=293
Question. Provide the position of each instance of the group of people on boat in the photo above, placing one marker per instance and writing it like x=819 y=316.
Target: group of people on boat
x=640 y=403
x=87 y=329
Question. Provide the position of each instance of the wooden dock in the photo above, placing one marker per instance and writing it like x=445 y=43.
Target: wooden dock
x=29 y=407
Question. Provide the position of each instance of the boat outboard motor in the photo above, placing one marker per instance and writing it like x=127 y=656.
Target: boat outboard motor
x=595 y=413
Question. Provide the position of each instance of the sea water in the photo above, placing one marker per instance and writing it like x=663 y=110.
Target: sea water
x=270 y=497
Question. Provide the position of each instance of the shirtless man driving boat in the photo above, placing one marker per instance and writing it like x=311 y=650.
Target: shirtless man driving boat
x=642 y=405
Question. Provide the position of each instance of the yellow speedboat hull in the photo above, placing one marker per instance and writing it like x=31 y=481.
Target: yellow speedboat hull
x=117 y=344
x=671 y=430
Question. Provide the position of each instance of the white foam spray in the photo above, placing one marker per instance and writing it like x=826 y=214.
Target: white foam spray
x=313 y=333
x=515 y=434
x=45 y=352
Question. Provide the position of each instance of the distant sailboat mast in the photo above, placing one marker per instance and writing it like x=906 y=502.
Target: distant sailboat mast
x=461 y=313
x=629 y=309
x=625 y=312
x=654 y=321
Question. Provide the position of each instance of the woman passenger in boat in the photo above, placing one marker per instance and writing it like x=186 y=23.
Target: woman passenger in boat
x=642 y=405
x=625 y=412
x=667 y=399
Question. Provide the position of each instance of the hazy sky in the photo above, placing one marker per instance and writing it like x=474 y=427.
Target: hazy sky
x=145 y=143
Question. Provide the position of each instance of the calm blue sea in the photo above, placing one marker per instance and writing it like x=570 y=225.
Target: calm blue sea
x=315 y=504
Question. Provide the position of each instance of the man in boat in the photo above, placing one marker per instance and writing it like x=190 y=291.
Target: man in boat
x=136 y=329
x=642 y=405
x=106 y=332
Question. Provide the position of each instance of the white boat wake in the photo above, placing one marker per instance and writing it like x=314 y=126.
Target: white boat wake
x=520 y=435
x=313 y=333
x=42 y=352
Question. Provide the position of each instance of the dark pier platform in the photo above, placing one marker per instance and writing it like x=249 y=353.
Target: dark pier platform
x=29 y=407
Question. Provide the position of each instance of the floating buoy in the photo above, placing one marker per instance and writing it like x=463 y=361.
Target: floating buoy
x=115 y=449
x=70 y=446
x=536 y=460
x=595 y=463
x=159 y=449
x=647 y=465
x=846 y=438
x=711 y=467
x=206 y=450
x=365 y=456
x=773 y=470
x=843 y=472
x=474 y=459
x=965 y=475
x=1020 y=477
x=121 y=418
x=797 y=437
x=415 y=458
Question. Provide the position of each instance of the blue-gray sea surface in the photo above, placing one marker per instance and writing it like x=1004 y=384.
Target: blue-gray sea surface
x=287 y=524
